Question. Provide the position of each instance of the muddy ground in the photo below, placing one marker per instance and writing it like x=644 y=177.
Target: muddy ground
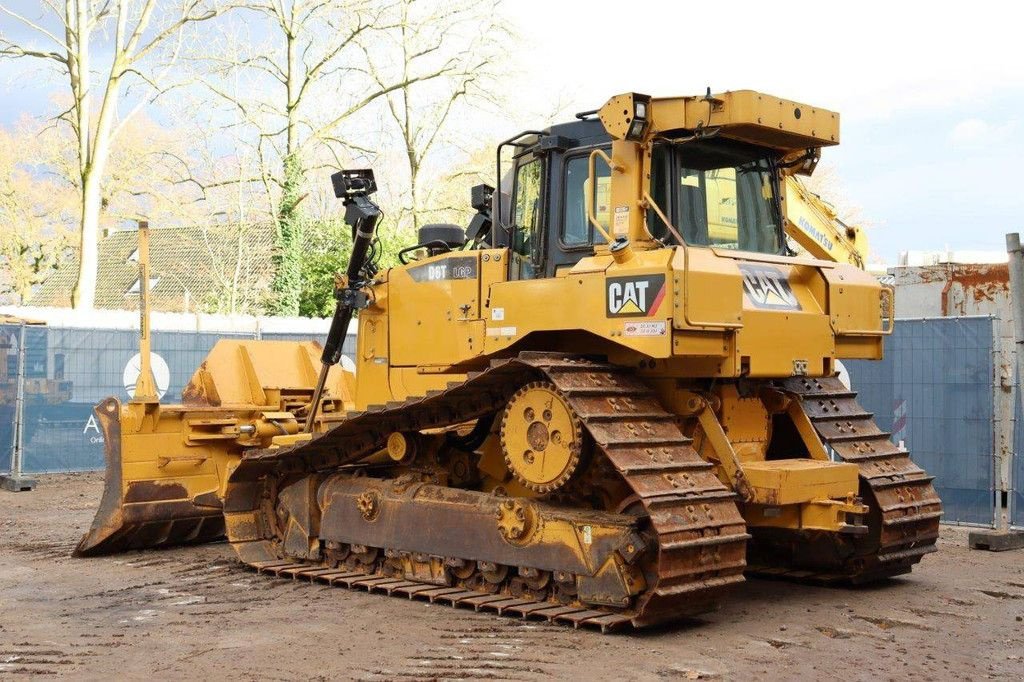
x=196 y=613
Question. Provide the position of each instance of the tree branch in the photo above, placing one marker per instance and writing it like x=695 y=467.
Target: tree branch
x=38 y=28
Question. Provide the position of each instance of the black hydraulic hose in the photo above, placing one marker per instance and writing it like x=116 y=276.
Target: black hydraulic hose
x=365 y=220
x=362 y=214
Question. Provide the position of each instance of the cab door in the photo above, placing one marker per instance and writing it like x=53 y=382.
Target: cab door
x=529 y=198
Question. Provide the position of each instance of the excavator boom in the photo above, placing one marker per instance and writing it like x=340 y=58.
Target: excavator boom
x=813 y=224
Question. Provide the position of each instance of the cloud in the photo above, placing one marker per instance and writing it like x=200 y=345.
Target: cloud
x=975 y=132
x=869 y=60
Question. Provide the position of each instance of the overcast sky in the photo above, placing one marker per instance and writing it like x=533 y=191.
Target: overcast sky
x=930 y=95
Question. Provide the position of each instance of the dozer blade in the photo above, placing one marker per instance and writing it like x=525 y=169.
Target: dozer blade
x=166 y=463
x=146 y=503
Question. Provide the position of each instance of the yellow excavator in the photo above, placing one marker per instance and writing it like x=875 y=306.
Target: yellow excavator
x=602 y=403
x=817 y=230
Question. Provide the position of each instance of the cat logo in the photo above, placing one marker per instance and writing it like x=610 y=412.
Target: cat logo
x=635 y=296
x=768 y=287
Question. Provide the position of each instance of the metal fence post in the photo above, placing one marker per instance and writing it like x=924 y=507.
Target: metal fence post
x=1016 y=268
x=1002 y=434
x=15 y=481
x=1001 y=537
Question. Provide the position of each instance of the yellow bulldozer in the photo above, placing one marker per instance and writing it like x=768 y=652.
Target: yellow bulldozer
x=602 y=403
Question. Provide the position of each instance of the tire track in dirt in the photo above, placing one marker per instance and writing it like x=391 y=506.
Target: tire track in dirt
x=31 y=658
x=481 y=650
x=203 y=616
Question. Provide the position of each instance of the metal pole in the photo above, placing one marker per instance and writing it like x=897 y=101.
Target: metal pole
x=1016 y=268
x=145 y=386
x=16 y=482
x=19 y=408
x=1016 y=262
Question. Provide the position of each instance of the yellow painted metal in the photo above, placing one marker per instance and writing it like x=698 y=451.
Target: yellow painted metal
x=728 y=465
x=434 y=321
x=497 y=476
x=743 y=115
x=541 y=438
x=399 y=447
x=746 y=422
x=814 y=225
x=780 y=493
x=805 y=428
x=167 y=465
x=145 y=385
x=577 y=301
x=836 y=516
x=290 y=439
x=265 y=373
x=794 y=481
x=589 y=195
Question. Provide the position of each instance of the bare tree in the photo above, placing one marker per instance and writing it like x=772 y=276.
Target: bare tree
x=69 y=35
x=236 y=249
x=829 y=186
x=461 y=42
x=36 y=215
x=306 y=101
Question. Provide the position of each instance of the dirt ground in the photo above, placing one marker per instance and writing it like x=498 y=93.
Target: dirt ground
x=197 y=613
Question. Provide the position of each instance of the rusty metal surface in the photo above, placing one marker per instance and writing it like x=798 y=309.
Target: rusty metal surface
x=905 y=509
x=151 y=514
x=451 y=596
x=953 y=289
x=457 y=523
x=698 y=532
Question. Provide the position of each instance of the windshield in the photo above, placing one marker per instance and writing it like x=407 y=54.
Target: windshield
x=716 y=193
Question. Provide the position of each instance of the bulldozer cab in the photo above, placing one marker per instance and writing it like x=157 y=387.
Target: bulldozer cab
x=546 y=225
x=719 y=193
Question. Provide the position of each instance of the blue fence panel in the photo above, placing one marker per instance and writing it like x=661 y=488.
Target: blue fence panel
x=71 y=370
x=934 y=391
x=68 y=371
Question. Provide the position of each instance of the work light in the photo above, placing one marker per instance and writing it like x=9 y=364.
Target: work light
x=639 y=124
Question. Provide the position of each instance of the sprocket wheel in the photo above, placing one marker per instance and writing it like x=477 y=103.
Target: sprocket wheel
x=541 y=437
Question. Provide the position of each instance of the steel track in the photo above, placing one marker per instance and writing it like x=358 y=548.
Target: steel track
x=699 y=536
x=905 y=509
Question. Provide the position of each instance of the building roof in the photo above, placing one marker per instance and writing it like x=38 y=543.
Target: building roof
x=191 y=268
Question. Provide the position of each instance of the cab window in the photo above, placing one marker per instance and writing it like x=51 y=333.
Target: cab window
x=717 y=194
x=576 y=229
x=526 y=217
